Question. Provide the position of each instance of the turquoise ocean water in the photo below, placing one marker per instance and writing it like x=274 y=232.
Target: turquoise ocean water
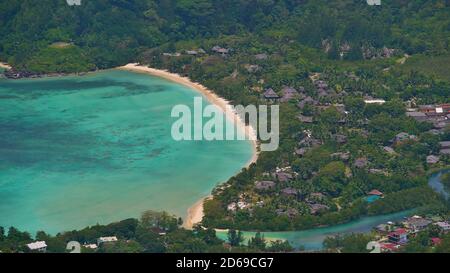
x=76 y=151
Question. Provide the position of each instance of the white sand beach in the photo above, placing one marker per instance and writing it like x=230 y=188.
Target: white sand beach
x=5 y=66
x=195 y=213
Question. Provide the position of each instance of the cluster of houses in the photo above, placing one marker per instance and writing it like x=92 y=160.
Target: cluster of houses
x=444 y=150
x=403 y=137
x=224 y=52
x=368 y=52
x=41 y=246
x=315 y=203
x=288 y=94
x=323 y=89
x=276 y=183
x=393 y=236
x=358 y=163
x=438 y=115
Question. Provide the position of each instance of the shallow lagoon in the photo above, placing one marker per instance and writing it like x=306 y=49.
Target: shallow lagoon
x=77 y=151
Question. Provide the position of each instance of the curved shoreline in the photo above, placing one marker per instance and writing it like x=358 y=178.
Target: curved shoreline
x=195 y=213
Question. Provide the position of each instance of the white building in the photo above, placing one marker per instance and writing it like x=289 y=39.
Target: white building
x=39 y=246
x=232 y=206
x=103 y=240
x=375 y=101
x=91 y=246
x=443 y=225
x=242 y=205
x=74 y=2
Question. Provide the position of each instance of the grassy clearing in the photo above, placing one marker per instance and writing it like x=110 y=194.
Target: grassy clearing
x=436 y=66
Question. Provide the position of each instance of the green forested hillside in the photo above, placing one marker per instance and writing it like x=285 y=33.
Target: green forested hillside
x=111 y=32
x=436 y=66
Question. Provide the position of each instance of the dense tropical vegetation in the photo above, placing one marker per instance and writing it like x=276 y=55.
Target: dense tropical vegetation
x=397 y=52
x=98 y=35
x=154 y=232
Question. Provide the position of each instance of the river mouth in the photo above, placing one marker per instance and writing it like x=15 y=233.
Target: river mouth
x=312 y=239
x=78 y=151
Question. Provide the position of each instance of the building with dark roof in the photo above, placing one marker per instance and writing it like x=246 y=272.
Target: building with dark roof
x=264 y=185
x=270 y=94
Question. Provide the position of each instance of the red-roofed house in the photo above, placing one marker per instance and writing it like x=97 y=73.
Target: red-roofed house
x=376 y=193
x=389 y=247
x=436 y=241
x=399 y=236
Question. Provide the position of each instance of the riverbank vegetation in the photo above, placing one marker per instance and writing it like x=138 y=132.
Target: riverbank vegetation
x=357 y=243
x=445 y=179
x=427 y=234
x=154 y=232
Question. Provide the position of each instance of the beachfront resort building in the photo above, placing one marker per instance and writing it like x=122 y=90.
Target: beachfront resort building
x=39 y=246
x=103 y=240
